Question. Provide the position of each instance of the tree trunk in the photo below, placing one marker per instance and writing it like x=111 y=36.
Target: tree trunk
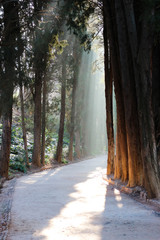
x=109 y=99
x=62 y=116
x=39 y=66
x=77 y=144
x=118 y=157
x=23 y=126
x=70 y=154
x=6 y=134
x=43 y=122
x=147 y=133
x=156 y=95
x=10 y=27
x=142 y=73
x=132 y=39
x=78 y=125
x=121 y=160
x=36 y=157
x=130 y=102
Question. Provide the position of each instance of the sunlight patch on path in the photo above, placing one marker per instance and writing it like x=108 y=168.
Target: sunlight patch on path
x=74 y=203
x=76 y=220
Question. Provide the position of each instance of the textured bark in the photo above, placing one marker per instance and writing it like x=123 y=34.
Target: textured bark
x=10 y=27
x=109 y=103
x=110 y=131
x=143 y=74
x=118 y=157
x=39 y=67
x=147 y=133
x=121 y=160
x=156 y=95
x=36 y=157
x=43 y=122
x=23 y=126
x=132 y=39
x=6 y=136
x=70 y=153
x=129 y=94
x=62 y=116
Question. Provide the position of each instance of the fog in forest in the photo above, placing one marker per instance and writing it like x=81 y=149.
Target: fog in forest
x=91 y=91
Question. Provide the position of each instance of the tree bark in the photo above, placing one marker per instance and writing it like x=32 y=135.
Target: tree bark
x=70 y=154
x=121 y=159
x=62 y=116
x=133 y=75
x=132 y=39
x=6 y=135
x=23 y=126
x=143 y=75
x=118 y=157
x=43 y=122
x=147 y=133
x=156 y=95
x=39 y=67
x=36 y=157
x=130 y=101
x=109 y=103
x=10 y=27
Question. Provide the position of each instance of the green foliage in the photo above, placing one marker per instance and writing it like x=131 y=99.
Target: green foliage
x=17 y=156
x=56 y=46
x=64 y=161
x=77 y=18
x=17 y=162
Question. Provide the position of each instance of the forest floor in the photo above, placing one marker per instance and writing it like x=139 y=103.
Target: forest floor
x=74 y=202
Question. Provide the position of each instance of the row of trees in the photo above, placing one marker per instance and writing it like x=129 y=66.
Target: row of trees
x=131 y=43
x=131 y=49
x=38 y=55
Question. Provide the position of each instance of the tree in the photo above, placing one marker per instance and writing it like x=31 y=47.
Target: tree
x=132 y=66
x=109 y=103
x=58 y=156
x=24 y=126
x=76 y=59
x=8 y=79
x=43 y=120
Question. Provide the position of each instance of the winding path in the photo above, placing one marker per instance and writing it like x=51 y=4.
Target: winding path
x=74 y=203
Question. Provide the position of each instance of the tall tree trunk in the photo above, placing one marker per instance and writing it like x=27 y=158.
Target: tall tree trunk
x=130 y=102
x=36 y=157
x=132 y=39
x=43 y=122
x=6 y=133
x=10 y=27
x=23 y=126
x=142 y=73
x=156 y=95
x=109 y=99
x=121 y=159
x=62 y=116
x=78 y=125
x=70 y=154
x=39 y=69
x=147 y=130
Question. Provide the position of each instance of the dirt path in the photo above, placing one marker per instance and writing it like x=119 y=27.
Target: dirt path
x=74 y=203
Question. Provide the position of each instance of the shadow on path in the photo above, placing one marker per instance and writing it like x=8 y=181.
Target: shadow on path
x=60 y=204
